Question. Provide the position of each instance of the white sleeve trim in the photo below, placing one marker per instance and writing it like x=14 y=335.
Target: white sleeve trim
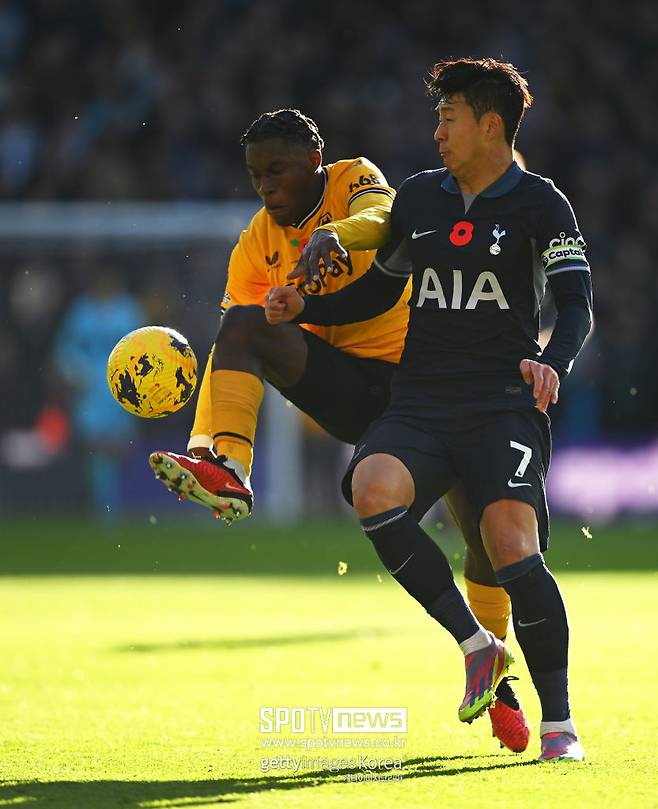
x=582 y=267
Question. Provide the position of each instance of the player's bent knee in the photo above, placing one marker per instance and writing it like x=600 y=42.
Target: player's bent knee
x=373 y=499
x=380 y=483
x=510 y=552
x=510 y=532
x=241 y=323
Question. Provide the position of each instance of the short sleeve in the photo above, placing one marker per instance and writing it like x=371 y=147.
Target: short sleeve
x=394 y=257
x=560 y=245
x=362 y=177
x=247 y=283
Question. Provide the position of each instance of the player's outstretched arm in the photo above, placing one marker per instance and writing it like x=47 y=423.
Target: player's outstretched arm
x=366 y=228
x=370 y=295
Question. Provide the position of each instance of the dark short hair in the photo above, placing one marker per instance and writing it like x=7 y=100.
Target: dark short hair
x=291 y=125
x=487 y=86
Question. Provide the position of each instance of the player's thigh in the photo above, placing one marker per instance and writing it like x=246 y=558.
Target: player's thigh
x=247 y=342
x=477 y=566
x=423 y=454
x=381 y=482
x=342 y=393
x=506 y=457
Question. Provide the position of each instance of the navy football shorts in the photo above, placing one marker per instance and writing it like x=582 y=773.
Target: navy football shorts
x=344 y=394
x=497 y=454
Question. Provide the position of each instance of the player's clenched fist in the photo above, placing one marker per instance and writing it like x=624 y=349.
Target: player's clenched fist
x=282 y=304
x=545 y=382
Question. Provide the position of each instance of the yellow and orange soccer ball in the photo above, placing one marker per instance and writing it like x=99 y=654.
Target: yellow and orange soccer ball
x=152 y=371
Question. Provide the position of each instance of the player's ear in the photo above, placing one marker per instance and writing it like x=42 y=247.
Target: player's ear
x=493 y=125
x=315 y=158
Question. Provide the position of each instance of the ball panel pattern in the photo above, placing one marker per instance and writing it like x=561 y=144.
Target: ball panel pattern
x=152 y=371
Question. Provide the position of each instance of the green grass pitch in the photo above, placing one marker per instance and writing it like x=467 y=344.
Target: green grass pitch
x=135 y=660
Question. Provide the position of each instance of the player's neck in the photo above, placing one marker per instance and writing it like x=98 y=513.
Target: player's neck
x=475 y=177
x=314 y=196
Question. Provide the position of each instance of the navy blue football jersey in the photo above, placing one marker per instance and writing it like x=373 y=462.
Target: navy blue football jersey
x=480 y=266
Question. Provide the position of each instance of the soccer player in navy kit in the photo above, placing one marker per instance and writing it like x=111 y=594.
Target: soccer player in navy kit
x=481 y=238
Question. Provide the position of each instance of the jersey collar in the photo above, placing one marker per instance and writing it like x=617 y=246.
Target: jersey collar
x=299 y=225
x=503 y=185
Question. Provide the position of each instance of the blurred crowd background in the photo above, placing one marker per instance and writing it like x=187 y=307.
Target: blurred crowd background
x=116 y=100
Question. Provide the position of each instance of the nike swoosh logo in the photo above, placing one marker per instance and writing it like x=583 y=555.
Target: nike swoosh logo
x=398 y=569
x=533 y=623
x=513 y=485
x=415 y=235
x=228 y=485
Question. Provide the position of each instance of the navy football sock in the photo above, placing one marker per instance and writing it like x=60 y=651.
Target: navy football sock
x=420 y=566
x=542 y=630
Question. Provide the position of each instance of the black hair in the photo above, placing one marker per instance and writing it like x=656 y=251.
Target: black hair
x=487 y=86
x=291 y=125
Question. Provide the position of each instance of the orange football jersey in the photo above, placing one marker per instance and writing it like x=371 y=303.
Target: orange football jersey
x=267 y=252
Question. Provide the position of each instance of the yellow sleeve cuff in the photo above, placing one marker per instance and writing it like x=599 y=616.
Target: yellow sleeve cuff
x=368 y=225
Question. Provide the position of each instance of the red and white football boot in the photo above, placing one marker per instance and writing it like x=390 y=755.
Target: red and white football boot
x=211 y=482
x=508 y=721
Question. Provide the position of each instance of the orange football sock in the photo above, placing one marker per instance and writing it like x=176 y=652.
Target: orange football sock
x=491 y=606
x=203 y=415
x=236 y=400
